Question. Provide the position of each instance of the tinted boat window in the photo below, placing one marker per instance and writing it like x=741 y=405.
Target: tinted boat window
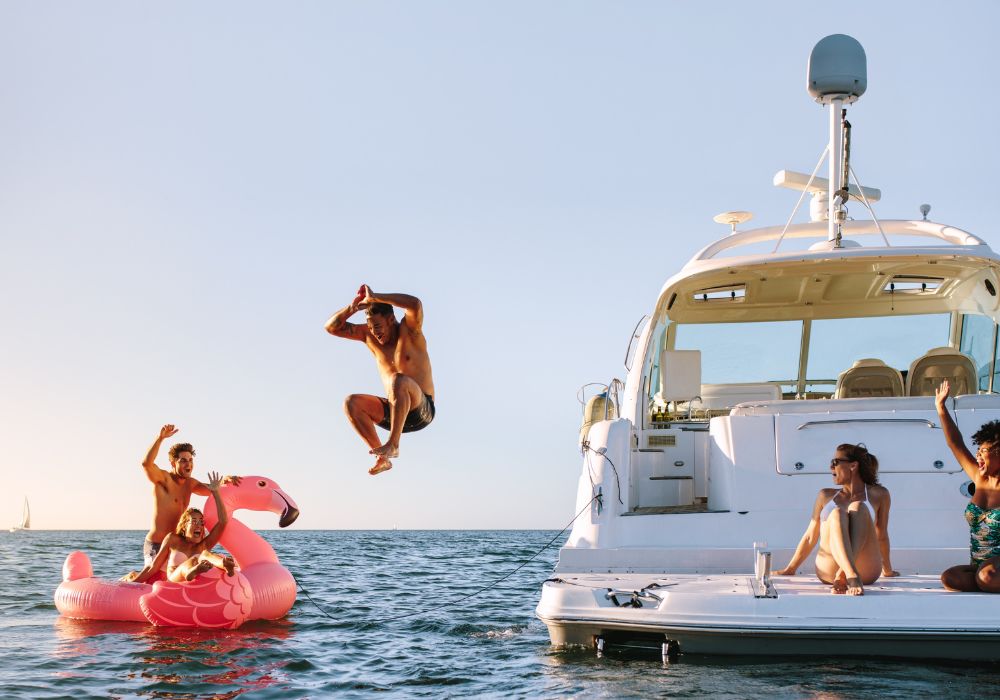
x=744 y=352
x=977 y=343
x=896 y=340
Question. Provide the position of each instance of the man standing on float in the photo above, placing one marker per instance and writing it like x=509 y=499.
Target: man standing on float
x=400 y=351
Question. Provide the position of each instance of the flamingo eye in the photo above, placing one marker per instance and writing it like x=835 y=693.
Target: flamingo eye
x=262 y=483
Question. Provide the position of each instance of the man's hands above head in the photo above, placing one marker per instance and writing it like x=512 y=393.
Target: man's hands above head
x=168 y=431
x=364 y=298
x=232 y=479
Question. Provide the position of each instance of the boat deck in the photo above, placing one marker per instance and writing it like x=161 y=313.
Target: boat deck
x=722 y=614
x=739 y=584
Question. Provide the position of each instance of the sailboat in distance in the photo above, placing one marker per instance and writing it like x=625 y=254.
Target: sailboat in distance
x=25 y=523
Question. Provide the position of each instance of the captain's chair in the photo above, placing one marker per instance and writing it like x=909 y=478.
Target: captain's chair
x=937 y=364
x=869 y=377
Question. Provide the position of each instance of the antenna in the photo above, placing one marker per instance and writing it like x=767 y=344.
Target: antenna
x=733 y=218
x=837 y=75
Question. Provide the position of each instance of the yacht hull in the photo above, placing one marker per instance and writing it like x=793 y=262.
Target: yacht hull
x=911 y=617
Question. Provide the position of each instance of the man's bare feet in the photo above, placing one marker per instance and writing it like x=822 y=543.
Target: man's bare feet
x=854 y=586
x=229 y=565
x=388 y=450
x=381 y=465
x=839 y=584
x=202 y=567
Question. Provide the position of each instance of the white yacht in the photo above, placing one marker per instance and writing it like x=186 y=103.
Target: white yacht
x=768 y=349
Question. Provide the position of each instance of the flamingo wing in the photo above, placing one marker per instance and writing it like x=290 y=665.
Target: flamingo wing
x=210 y=600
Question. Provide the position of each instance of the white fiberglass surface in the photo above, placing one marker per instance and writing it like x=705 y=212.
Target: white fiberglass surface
x=743 y=352
x=896 y=340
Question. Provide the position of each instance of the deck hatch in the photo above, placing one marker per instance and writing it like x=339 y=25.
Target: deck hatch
x=912 y=284
x=730 y=293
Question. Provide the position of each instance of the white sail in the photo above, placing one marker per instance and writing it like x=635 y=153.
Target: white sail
x=25 y=523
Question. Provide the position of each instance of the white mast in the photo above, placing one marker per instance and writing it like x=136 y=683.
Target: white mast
x=837 y=76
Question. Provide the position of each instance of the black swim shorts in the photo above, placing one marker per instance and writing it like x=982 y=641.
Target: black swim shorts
x=417 y=419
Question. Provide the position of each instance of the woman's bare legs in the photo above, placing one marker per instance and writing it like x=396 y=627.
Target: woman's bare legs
x=968 y=578
x=849 y=556
x=225 y=563
x=187 y=570
x=867 y=558
x=960 y=578
x=199 y=564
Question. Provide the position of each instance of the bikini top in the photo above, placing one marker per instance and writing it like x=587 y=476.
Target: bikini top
x=831 y=504
x=177 y=557
x=976 y=516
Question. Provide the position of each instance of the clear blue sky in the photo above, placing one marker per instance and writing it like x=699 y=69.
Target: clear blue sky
x=188 y=191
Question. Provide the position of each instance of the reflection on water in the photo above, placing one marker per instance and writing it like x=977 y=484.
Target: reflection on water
x=181 y=662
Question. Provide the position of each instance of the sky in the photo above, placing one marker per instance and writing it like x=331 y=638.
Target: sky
x=189 y=190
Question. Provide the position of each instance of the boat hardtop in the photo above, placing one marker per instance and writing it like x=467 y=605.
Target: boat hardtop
x=767 y=350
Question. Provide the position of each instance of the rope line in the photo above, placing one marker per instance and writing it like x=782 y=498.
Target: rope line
x=596 y=497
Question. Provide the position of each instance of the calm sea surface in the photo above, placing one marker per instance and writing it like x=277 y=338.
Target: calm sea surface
x=491 y=645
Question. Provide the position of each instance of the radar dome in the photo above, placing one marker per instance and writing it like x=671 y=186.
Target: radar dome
x=838 y=69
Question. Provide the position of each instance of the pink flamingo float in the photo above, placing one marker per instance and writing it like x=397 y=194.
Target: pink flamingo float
x=262 y=588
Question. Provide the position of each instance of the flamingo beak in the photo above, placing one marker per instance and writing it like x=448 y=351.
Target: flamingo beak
x=286 y=506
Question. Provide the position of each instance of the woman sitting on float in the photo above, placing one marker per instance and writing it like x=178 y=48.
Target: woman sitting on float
x=983 y=511
x=189 y=549
x=851 y=525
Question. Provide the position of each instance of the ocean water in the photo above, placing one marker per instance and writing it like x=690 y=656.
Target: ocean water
x=369 y=642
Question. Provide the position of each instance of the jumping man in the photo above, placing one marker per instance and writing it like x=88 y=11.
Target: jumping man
x=400 y=351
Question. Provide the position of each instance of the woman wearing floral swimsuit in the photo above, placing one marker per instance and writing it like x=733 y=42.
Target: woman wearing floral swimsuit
x=983 y=511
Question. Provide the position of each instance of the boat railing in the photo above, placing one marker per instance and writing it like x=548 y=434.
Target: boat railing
x=943 y=233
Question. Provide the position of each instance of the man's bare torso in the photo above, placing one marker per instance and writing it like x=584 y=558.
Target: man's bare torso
x=407 y=355
x=171 y=497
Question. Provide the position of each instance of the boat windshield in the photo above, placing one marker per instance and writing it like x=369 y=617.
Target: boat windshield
x=769 y=351
x=835 y=344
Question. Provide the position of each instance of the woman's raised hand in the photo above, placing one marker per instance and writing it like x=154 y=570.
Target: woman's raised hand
x=941 y=394
x=214 y=480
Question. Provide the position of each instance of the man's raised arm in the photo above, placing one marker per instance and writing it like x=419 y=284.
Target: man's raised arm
x=153 y=472
x=411 y=306
x=338 y=325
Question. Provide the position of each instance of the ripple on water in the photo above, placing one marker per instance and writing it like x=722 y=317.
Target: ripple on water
x=370 y=584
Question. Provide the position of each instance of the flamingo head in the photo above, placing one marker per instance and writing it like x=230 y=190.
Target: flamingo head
x=261 y=494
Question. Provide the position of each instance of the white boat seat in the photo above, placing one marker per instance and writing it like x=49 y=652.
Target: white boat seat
x=927 y=372
x=716 y=396
x=868 y=378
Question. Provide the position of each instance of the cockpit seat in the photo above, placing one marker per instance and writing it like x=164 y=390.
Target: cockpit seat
x=868 y=378
x=715 y=397
x=937 y=364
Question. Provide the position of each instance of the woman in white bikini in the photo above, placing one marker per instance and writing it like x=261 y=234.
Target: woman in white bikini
x=851 y=525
